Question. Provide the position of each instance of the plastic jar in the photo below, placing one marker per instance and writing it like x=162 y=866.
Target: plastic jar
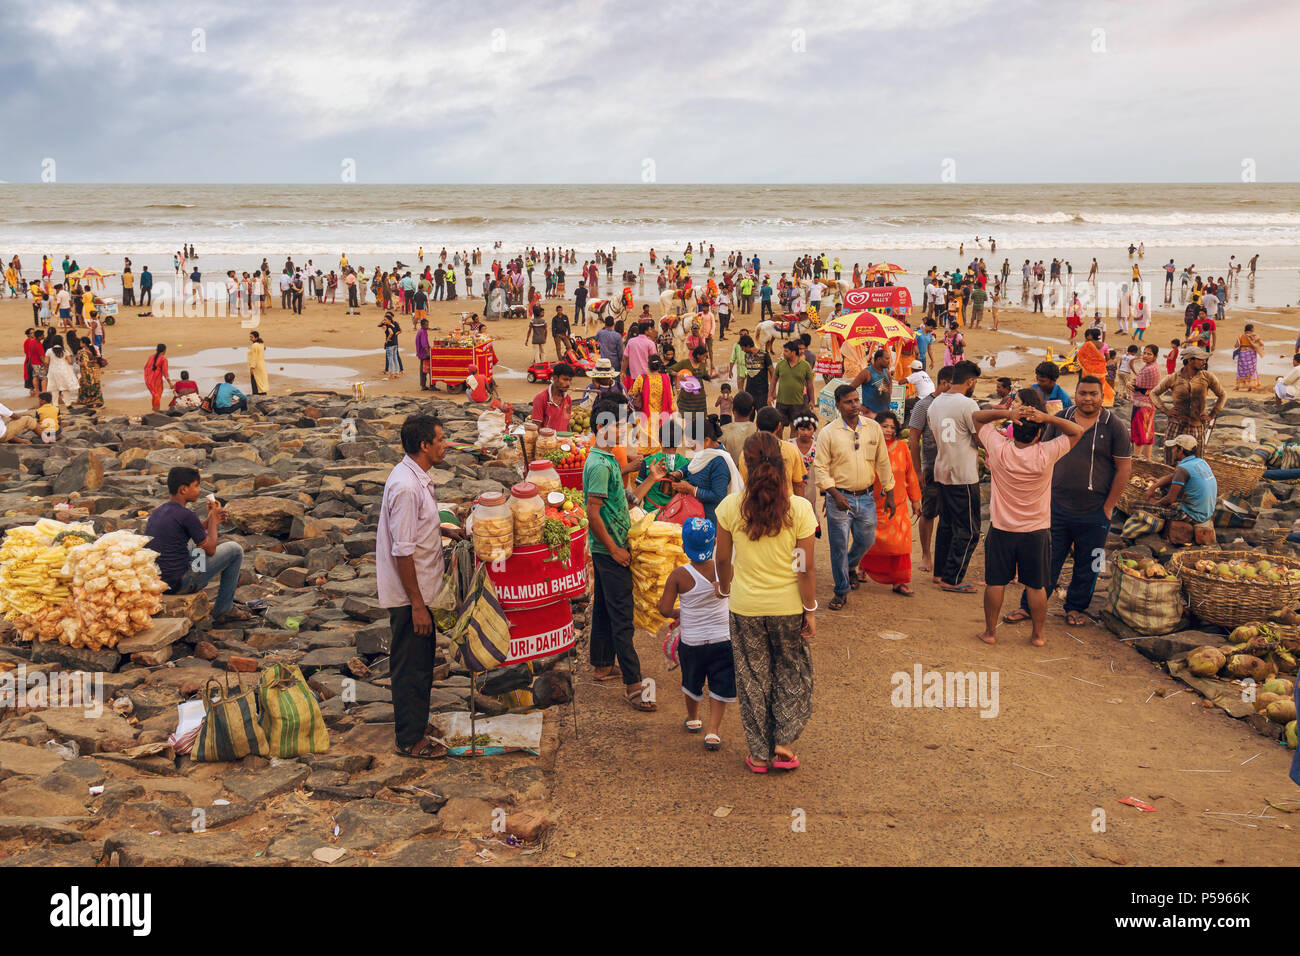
x=545 y=477
x=511 y=453
x=493 y=525
x=529 y=513
x=530 y=441
x=547 y=442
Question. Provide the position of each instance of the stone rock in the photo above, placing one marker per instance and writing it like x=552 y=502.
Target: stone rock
x=75 y=658
x=197 y=819
x=365 y=824
x=152 y=658
x=92 y=734
x=466 y=814
x=246 y=665
x=139 y=848
x=83 y=473
x=194 y=607
x=332 y=657
x=374 y=639
x=364 y=608
x=527 y=827
x=39 y=829
x=205 y=650
x=262 y=638
x=162 y=633
x=347 y=763
x=258 y=786
x=264 y=515
x=19 y=760
x=271 y=563
x=293 y=577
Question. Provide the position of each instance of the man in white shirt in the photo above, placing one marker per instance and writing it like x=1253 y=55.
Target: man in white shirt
x=286 y=290
x=1287 y=388
x=920 y=380
x=1122 y=311
x=940 y=300
x=956 y=472
x=408 y=571
x=815 y=291
x=11 y=426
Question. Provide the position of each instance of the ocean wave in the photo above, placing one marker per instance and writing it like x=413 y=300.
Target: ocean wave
x=169 y=205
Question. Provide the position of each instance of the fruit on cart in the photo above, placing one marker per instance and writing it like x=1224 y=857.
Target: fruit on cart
x=1280 y=686
x=1291 y=735
x=580 y=420
x=1247 y=665
x=1264 y=699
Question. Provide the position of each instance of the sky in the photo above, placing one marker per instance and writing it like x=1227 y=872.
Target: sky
x=675 y=91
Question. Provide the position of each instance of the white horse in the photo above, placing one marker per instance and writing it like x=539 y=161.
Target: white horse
x=833 y=287
x=598 y=309
x=767 y=333
x=670 y=300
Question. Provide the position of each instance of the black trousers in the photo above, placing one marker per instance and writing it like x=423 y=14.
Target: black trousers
x=438 y=289
x=611 y=619
x=128 y=296
x=411 y=672
x=146 y=295
x=958 y=533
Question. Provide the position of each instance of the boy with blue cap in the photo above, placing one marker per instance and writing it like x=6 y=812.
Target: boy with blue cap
x=704 y=616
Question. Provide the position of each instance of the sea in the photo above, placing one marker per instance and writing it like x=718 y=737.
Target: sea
x=916 y=227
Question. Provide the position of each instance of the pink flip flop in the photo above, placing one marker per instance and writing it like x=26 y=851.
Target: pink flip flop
x=791 y=764
x=756 y=767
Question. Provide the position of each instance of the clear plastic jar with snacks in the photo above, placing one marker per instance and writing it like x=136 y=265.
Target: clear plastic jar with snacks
x=530 y=440
x=493 y=527
x=529 y=511
x=544 y=476
x=547 y=442
x=511 y=453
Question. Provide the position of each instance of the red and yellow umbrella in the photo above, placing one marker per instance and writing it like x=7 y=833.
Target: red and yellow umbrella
x=886 y=268
x=91 y=274
x=867 y=326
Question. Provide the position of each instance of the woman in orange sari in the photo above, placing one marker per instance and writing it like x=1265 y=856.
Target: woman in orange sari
x=1093 y=362
x=890 y=559
x=155 y=375
x=652 y=395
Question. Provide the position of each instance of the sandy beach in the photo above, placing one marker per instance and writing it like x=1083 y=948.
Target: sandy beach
x=326 y=348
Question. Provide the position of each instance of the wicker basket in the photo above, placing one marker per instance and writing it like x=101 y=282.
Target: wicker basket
x=1236 y=476
x=1230 y=603
x=1150 y=470
x=1133 y=495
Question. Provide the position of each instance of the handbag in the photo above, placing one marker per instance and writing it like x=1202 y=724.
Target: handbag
x=680 y=509
x=291 y=717
x=230 y=730
x=481 y=638
x=103 y=362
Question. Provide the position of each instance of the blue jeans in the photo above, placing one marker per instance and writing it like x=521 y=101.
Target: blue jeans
x=225 y=561
x=1282 y=474
x=392 y=359
x=1085 y=534
x=860 y=520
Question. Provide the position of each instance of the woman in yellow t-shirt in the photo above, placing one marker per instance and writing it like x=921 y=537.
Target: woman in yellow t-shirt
x=765 y=565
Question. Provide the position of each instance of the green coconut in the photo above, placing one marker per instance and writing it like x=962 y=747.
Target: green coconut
x=1247 y=665
x=1290 y=735
x=1281 y=711
x=1265 y=698
x=1280 y=686
x=1206 y=661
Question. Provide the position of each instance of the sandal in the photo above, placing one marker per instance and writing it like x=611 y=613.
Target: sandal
x=854 y=580
x=903 y=589
x=1078 y=619
x=639 y=703
x=838 y=602
x=959 y=589
x=1016 y=616
x=610 y=673
x=790 y=763
x=434 y=750
x=754 y=766
x=694 y=726
x=712 y=742
x=234 y=614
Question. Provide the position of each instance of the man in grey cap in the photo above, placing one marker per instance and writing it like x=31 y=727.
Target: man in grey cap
x=1187 y=389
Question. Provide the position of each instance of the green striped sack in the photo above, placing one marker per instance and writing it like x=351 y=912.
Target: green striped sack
x=481 y=638
x=229 y=730
x=291 y=716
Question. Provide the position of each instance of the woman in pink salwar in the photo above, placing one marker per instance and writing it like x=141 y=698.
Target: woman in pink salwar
x=155 y=375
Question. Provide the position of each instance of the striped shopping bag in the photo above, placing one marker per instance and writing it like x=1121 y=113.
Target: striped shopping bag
x=229 y=730
x=291 y=717
x=481 y=638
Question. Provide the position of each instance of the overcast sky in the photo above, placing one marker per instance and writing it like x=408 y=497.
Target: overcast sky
x=588 y=91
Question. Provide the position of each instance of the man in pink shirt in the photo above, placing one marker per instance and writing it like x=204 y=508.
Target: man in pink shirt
x=408 y=572
x=636 y=357
x=1019 y=542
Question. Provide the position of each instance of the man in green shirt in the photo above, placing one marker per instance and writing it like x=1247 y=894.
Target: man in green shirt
x=794 y=383
x=746 y=295
x=977 y=299
x=608 y=521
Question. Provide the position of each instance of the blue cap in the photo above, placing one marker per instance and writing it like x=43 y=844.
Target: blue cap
x=698 y=535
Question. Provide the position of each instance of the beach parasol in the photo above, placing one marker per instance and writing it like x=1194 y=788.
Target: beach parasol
x=91 y=273
x=885 y=268
x=868 y=326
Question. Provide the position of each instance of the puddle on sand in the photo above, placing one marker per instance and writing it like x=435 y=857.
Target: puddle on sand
x=208 y=366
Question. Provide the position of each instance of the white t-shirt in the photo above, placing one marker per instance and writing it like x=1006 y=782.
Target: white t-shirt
x=940 y=295
x=951 y=420
x=922 y=382
x=815 y=292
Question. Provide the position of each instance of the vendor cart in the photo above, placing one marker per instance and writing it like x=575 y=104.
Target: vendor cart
x=451 y=364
